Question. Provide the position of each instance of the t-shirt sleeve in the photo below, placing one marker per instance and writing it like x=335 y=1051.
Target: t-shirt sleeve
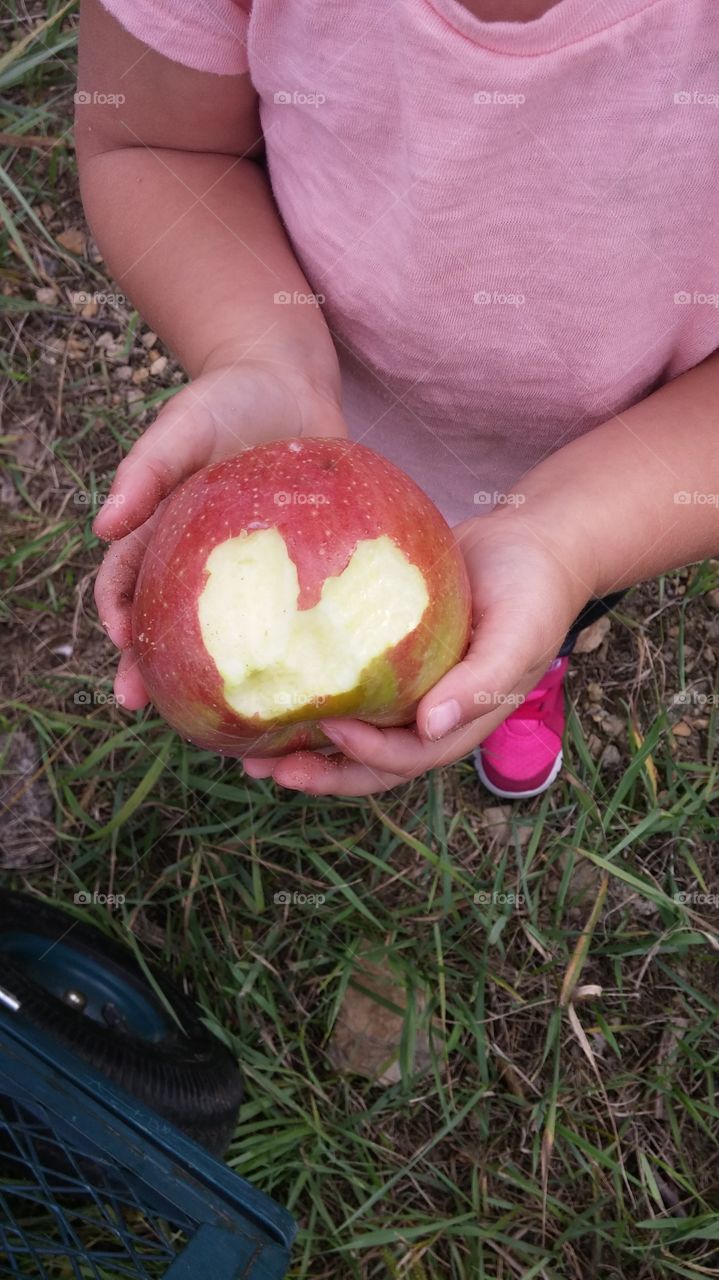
x=208 y=35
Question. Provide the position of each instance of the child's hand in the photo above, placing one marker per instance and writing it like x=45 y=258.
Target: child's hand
x=220 y=413
x=526 y=593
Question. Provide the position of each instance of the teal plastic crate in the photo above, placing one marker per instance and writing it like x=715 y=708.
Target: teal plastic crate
x=94 y=1186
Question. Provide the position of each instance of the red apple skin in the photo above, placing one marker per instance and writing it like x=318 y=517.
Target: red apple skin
x=356 y=495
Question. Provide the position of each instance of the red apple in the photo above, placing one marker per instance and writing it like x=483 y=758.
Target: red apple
x=301 y=579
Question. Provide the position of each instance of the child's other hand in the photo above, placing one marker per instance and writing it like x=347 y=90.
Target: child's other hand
x=225 y=410
x=527 y=589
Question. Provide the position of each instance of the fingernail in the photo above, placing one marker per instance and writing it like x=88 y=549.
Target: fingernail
x=443 y=718
x=333 y=733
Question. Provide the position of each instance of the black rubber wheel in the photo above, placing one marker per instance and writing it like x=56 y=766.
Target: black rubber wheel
x=88 y=992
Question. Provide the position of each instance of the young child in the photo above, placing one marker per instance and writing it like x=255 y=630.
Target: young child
x=507 y=210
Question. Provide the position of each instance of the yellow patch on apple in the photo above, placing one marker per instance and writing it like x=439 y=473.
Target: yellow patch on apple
x=273 y=656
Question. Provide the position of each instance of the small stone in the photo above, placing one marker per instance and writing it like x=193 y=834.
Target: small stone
x=595 y=692
x=681 y=729
x=123 y=373
x=48 y=297
x=72 y=239
x=613 y=726
x=63 y=650
x=140 y=375
x=367 y=1035
x=148 y=339
x=498 y=819
x=158 y=366
x=610 y=757
x=593 y=636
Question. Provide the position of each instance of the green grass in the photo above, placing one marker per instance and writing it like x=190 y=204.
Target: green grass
x=568 y=1125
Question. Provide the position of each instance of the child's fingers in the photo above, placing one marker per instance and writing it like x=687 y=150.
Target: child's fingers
x=328 y=775
x=510 y=650
x=401 y=751
x=259 y=766
x=115 y=584
x=396 y=751
x=372 y=760
x=178 y=443
x=130 y=692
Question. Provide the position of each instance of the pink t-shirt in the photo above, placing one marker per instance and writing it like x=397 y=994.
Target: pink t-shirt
x=513 y=225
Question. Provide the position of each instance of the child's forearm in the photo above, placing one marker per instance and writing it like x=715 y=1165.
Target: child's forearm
x=196 y=241
x=638 y=495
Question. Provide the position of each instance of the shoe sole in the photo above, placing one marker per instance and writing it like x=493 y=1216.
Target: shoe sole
x=516 y=795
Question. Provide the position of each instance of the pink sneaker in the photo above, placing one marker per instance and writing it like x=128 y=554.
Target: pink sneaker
x=524 y=755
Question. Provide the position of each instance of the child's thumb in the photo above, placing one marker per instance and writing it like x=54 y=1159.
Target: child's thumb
x=176 y=445
x=509 y=652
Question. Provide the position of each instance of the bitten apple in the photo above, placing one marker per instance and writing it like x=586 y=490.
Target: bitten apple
x=301 y=579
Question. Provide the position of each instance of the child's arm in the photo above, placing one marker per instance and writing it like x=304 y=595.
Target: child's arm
x=184 y=216
x=183 y=212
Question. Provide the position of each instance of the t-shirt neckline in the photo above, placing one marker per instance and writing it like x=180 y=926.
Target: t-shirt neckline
x=566 y=23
